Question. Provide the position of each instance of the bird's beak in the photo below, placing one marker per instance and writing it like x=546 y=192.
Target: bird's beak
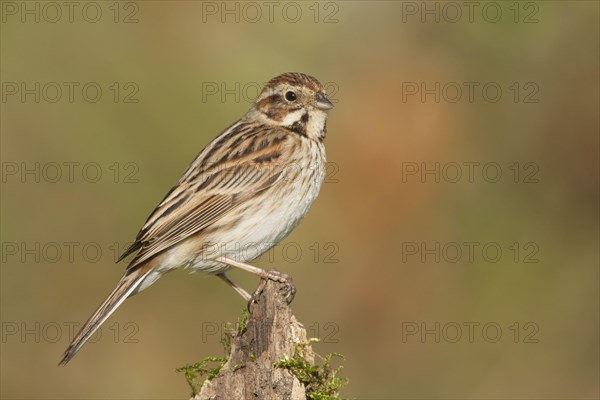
x=323 y=103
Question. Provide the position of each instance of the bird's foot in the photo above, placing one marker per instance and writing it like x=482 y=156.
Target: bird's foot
x=277 y=276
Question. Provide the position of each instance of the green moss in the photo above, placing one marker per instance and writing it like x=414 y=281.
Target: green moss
x=321 y=382
x=243 y=322
x=194 y=372
x=226 y=337
x=209 y=368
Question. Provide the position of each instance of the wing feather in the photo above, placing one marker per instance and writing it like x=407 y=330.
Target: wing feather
x=219 y=180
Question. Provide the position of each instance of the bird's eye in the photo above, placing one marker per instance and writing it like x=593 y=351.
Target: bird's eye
x=290 y=96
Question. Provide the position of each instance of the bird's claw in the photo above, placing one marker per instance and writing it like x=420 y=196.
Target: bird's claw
x=277 y=276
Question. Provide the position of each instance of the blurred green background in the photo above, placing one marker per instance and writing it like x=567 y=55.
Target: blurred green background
x=371 y=281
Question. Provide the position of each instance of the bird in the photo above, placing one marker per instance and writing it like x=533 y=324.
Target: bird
x=242 y=194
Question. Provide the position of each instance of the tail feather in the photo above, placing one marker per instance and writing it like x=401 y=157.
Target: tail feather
x=124 y=289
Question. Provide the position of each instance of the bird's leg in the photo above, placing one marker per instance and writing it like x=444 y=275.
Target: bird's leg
x=264 y=275
x=235 y=286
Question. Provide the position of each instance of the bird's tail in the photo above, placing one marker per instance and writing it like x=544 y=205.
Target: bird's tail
x=126 y=287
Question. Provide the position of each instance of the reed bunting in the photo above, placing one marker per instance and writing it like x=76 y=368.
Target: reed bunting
x=243 y=194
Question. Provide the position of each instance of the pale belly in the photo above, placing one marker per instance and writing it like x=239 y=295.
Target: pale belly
x=260 y=228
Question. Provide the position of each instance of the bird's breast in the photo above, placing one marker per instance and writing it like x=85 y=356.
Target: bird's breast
x=267 y=218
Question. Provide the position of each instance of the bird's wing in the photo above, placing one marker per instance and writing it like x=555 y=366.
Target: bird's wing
x=241 y=169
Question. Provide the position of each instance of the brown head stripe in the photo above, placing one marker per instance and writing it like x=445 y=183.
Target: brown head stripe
x=295 y=79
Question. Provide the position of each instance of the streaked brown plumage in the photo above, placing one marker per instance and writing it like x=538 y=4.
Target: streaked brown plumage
x=244 y=193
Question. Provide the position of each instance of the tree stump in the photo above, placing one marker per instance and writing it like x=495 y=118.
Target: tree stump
x=272 y=333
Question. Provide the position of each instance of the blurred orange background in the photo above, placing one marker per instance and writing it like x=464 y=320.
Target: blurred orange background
x=434 y=276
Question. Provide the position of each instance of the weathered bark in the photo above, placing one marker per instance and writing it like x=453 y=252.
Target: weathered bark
x=272 y=333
